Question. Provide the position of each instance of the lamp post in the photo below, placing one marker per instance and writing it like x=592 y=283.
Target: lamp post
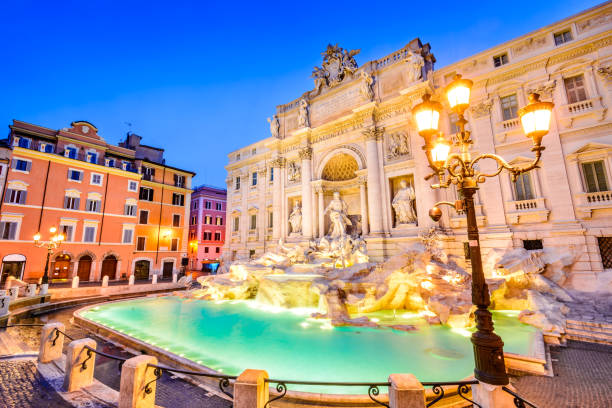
x=461 y=169
x=54 y=242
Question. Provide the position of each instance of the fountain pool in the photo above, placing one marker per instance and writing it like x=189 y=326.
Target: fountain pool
x=232 y=335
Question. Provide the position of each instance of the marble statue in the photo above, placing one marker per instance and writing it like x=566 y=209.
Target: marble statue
x=303 y=120
x=367 y=85
x=274 y=126
x=397 y=145
x=320 y=79
x=403 y=204
x=293 y=172
x=337 y=215
x=295 y=219
x=415 y=66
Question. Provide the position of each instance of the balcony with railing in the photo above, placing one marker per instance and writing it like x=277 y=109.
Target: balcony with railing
x=589 y=202
x=526 y=211
x=505 y=128
x=585 y=111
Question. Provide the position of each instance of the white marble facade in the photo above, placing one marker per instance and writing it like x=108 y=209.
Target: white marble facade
x=353 y=134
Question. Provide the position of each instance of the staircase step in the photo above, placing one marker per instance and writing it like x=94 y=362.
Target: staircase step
x=582 y=327
x=594 y=334
x=589 y=323
x=588 y=339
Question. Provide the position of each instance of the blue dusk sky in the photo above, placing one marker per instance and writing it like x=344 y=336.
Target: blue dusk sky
x=200 y=78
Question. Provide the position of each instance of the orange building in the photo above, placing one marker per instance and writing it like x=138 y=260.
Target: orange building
x=73 y=180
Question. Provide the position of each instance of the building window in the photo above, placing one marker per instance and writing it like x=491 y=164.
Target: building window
x=254 y=178
x=217 y=250
x=93 y=205
x=509 y=107
x=605 y=250
x=563 y=37
x=194 y=220
x=67 y=232
x=146 y=194
x=128 y=234
x=176 y=220
x=24 y=142
x=71 y=203
x=205 y=250
x=218 y=206
x=126 y=166
x=237 y=185
x=237 y=156
x=253 y=152
x=140 y=243
x=15 y=196
x=251 y=253
x=208 y=219
x=574 y=87
x=22 y=165
x=178 y=199
x=179 y=181
x=195 y=205
x=174 y=244
x=148 y=173
x=532 y=244
x=110 y=162
x=500 y=60
x=46 y=147
x=522 y=187
x=207 y=205
x=144 y=217
x=270 y=219
x=129 y=209
x=271 y=173
x=132 y=185
x=96 y=179
x=217 y=236
x=92 y=157
x=236 y=224
x=218 y=220
x=253 y=221
x=207 y=236
x=8 y=230
x=89 y=234
x=75 y=175
x=70 y=152
x=595 y=176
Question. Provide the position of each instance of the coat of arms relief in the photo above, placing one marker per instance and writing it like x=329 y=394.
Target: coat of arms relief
x=337 y=65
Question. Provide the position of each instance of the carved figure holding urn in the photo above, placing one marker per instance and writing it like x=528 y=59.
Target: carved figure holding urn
x=337 y=209
x=404 y=204
x=366 y=86
x=294 y=173
x=303 y=114
x=295 y=219
x=274 y=126
x=415 y=66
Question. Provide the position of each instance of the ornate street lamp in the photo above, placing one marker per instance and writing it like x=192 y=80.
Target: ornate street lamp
x=54 y=242
x=462 y=170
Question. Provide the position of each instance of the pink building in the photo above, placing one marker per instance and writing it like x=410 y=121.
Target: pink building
x=207 y=227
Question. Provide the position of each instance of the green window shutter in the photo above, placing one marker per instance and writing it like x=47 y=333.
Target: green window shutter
x=600 y=172
x=589 y=177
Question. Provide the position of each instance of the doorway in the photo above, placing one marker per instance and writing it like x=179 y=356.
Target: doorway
x=141 y=270
x=109 y=267
x=168 y=268
x=84 y=268
x=61 y=267
x=12 y=265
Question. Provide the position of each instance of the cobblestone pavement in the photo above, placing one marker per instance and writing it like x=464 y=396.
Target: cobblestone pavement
x=583 y=378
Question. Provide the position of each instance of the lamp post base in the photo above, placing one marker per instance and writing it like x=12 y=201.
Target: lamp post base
x=488 y=351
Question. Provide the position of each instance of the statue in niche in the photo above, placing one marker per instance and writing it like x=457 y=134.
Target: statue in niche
x=337 y=216
x=404 y=204
x=274 y=126
x=367 y=85
x=293 y=172
x=303 y=120
x=415 y=66
x=295 y=218
x=397 y=145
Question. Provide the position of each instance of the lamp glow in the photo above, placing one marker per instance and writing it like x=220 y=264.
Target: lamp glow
x=458 y=93
x=52 y=230
x=440 y=151
x=37 y=237
x=427 y=116
x=535 y=118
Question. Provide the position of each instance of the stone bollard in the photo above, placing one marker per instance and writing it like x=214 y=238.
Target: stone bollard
x=406 y=392
x=105 y=281
x=135 y=375
x=31 y=290
x=14 y=293
x=492 y=396
x=154 y=280
x=131 y=280
x=44 y=289
x=75 y=375
x=250 y=389
x=49 y=351
x=174 y=277
x=75 y=282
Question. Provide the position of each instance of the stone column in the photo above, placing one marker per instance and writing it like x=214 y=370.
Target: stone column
x=364 y=206
x=262 y=221
x=276 y=198
x=374 y=191
x=321 y=210
x=306 y=156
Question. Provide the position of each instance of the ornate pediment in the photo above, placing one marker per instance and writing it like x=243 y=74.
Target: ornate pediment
x=337 y=65
x=593 y=146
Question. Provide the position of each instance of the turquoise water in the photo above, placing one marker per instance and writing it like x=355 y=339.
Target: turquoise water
x=230 y=336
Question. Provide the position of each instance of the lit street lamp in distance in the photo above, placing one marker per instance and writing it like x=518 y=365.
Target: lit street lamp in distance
x=461 y=169
x=54 y=242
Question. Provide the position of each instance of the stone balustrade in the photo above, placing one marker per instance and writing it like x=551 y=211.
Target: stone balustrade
x=583 y=109
x=526 y=211
x=587 y=202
